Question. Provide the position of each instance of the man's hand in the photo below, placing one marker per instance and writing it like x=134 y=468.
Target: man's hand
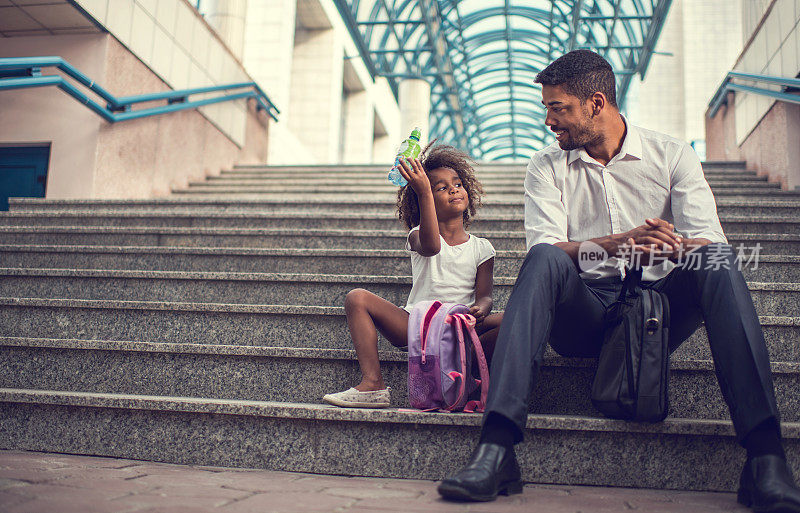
x=652 y=242
x=657 y=241
x=655 y=234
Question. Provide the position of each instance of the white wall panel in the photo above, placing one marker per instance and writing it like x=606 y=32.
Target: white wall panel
x=174 y=41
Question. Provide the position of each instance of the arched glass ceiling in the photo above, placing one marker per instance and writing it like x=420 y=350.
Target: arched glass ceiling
x=481 y=57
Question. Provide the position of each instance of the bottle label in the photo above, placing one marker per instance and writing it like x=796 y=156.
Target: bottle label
x=403 y=147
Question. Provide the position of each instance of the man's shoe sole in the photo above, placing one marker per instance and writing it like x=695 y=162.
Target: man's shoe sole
x=455 y=492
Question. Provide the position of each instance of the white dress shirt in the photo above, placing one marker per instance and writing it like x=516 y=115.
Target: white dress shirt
x=569 y=196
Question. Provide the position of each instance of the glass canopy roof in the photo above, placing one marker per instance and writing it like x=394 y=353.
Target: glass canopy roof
x=481 y=57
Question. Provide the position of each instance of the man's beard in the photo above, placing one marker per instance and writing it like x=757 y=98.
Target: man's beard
x=583 y=135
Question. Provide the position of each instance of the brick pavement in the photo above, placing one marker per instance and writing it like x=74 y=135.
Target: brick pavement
x=32 y=482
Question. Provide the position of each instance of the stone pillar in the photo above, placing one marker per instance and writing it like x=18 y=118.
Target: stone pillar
x=721 y=132
x=228 y=19
x=793 y=151
x=315 y=101
x=359 y=126
x=382 y=149
x=268 y=50
x=415 y=107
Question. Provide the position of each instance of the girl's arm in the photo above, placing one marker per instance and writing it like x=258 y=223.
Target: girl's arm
x=484 y=281
x=426 y=241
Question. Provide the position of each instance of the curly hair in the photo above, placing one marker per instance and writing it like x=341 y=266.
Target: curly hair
x=582 y=73
x=434 y=157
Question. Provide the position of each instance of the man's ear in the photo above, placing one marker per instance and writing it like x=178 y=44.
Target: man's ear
x=598 y=101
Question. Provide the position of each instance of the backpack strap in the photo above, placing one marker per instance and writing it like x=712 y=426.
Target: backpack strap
x=469 y=323
x=424 y=328
x=462 y=376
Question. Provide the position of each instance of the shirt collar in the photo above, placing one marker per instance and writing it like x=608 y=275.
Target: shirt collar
x=631 y=146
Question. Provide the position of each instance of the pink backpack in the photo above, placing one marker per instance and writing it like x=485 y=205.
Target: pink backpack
x=440 y=362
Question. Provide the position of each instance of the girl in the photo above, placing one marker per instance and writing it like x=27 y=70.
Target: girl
x=447 y=264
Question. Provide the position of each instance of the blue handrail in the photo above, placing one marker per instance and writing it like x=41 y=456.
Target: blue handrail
x=720 y=98
x=25 y=72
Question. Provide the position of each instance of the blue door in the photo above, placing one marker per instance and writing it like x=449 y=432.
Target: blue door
x=23 y=172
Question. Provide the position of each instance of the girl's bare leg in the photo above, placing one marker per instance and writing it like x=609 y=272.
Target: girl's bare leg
x=487 y=333
x=366 y=315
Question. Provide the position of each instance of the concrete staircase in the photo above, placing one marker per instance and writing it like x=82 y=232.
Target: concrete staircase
x=205 y=327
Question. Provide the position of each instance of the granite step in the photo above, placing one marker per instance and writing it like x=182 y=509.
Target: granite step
x=688 y=454
x=380 y=178
x=300 y=238
x=741 y=206
x=489 y=167
x=771 y=268
x=256 y=325
x=725 y=164
x=272 y=288
x=242 y=186
x=325 y=220
x=271 y=374
x=511 y=184
x=365 y=194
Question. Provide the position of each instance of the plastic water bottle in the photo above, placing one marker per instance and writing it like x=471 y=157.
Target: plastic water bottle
x=409 y=149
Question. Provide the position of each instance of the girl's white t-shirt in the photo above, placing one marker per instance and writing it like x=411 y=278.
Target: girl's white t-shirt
x=449 y=275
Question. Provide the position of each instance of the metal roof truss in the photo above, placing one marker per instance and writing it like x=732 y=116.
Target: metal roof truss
x=481 y=57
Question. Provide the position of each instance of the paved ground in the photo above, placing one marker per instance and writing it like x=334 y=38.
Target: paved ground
x=45 y=483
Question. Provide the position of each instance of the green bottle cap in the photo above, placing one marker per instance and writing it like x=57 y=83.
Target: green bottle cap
x=415 y=134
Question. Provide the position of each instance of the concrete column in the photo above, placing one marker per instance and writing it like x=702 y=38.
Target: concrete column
x=228 y=19
x=415 y=107
x=316 y=96
x=359 y=125
x=793 y=151
x=269 y=41
x=383 y=151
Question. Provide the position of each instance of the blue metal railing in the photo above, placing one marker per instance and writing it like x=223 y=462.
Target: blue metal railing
x=720 y=98
x=26 y=72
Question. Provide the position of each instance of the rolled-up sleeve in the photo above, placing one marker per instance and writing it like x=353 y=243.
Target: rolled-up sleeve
x=545 y=215
x=693 y=206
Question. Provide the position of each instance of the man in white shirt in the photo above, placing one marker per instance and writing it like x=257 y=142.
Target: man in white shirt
x=615 y=189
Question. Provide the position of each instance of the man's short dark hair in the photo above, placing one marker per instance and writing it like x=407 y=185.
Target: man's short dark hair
x=581 y=73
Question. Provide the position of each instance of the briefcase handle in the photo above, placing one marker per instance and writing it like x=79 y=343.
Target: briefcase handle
x=632 y=281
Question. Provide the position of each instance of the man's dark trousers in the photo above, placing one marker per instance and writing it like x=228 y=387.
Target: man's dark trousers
x=551 y=302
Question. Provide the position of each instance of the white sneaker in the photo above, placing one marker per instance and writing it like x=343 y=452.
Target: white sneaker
x=352 y=398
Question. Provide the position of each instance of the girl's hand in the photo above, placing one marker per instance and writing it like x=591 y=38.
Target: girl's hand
x=411 y=170
x=479 y=311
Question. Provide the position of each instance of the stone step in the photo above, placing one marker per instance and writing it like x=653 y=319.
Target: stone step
x=724 y=164
x=490 y=183
x=365 y=194
x=364 y=184
x=740 y=205
x=270 y=288
x=488 y=167
x=380 y=177
x=778 y=268
x=271 y=374
x=689 y=454
x=325 y=220
x=256 y=325
x=299 y=238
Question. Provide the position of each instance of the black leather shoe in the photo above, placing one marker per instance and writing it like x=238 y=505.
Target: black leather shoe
x=767 y=486
x=491 y=470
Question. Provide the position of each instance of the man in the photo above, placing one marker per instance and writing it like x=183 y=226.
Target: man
x=621 y=188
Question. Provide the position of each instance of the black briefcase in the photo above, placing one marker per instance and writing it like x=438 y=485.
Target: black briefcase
x=633 y=370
